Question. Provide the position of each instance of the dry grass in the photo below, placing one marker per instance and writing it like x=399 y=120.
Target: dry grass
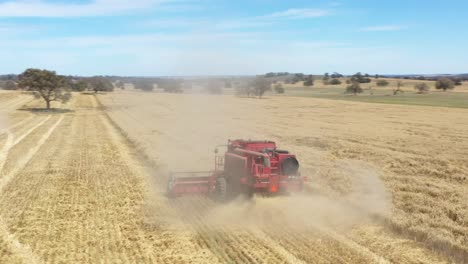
x=73 y=190
x=428 y=191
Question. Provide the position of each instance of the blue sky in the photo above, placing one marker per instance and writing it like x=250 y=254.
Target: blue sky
x=226 y=37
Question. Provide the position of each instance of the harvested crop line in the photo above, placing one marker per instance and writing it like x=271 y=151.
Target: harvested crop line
x=21 y=163
x=24 y=251
x=20 y=123
x=11 y=142
x=15 y=244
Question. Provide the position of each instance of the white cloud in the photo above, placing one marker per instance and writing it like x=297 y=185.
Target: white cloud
x=40 y=8
x=384 y=28
x=296 y=13
x=241 y=22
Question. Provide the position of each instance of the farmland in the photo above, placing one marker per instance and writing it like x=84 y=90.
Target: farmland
x=374 y=94
x=387 y=183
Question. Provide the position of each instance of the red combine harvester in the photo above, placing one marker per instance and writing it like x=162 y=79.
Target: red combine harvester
x=246 y=168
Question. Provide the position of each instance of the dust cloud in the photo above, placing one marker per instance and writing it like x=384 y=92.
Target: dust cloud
x=193 y=125
x=366 y=199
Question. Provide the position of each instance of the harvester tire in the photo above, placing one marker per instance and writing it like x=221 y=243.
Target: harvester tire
x=221 y=189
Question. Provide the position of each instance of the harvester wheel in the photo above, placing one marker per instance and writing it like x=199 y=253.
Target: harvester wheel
x=221 y=189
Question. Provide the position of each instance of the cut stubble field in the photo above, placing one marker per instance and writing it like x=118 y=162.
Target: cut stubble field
x=387 y=183
x=405 y=166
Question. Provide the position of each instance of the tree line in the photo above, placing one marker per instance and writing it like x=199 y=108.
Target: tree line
x=443 y=84
x=51 y=86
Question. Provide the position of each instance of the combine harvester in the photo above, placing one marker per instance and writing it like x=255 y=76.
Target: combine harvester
x=246 y=168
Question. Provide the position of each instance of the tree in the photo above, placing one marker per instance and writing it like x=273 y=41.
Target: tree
x=457 y=81
x=279 y=88
x=214 y=87
x=243 y=88
x=354 y=88
x=298 y=77
x=326 y=76
x=144 y=84
x=45 y=84
x=170 y=85
x=358 y=77
x=228 y=84
x=444 y=84
x=100 y=84
x=120 y=84
x=336 y=75
x=309 y=81
x=382 y=83
x=421 y=87
x=334 y=81
x=10 y=85
x=398 y=89
x=260 y=85
x=79 y=86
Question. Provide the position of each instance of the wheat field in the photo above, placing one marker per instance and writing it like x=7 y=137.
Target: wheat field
x=387 y=183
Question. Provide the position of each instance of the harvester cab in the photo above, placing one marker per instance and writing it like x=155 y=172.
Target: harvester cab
x=247 y=167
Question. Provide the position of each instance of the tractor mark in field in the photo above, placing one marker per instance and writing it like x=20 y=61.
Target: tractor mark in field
x=15 y=102
x=6 y=149
x=277 y=247
x=24 y=250
x=26 y=158
x=11 y=142
x=352 y=244
x=8 y=129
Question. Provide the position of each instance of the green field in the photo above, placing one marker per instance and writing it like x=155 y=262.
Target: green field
x=434 y=98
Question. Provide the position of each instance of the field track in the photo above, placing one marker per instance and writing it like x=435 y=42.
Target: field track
x=76 y=187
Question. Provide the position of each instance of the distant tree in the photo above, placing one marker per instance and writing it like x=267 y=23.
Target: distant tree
x=100 y=84
x=376 y=76
x=354 y=88
x=171 y=85
x=421 y=87
x=309 y=81
x=9 y=77
x=336 y=75
x=243 y=88
x=279 y=88
x=45 y=84
x=298 y=77
x=398 y=89
x=214 y=87
x=444 y=84
x=260 y=85
x=358 y=77
x=457 y=81
x=382 y=83
x=79 y=86
x=120 y=84
x=228 y=84
x=334 y=81
x=326 y=76
x=144 y=84
x=10 y=85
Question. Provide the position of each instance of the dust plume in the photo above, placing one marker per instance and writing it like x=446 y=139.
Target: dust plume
x=366 y=198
